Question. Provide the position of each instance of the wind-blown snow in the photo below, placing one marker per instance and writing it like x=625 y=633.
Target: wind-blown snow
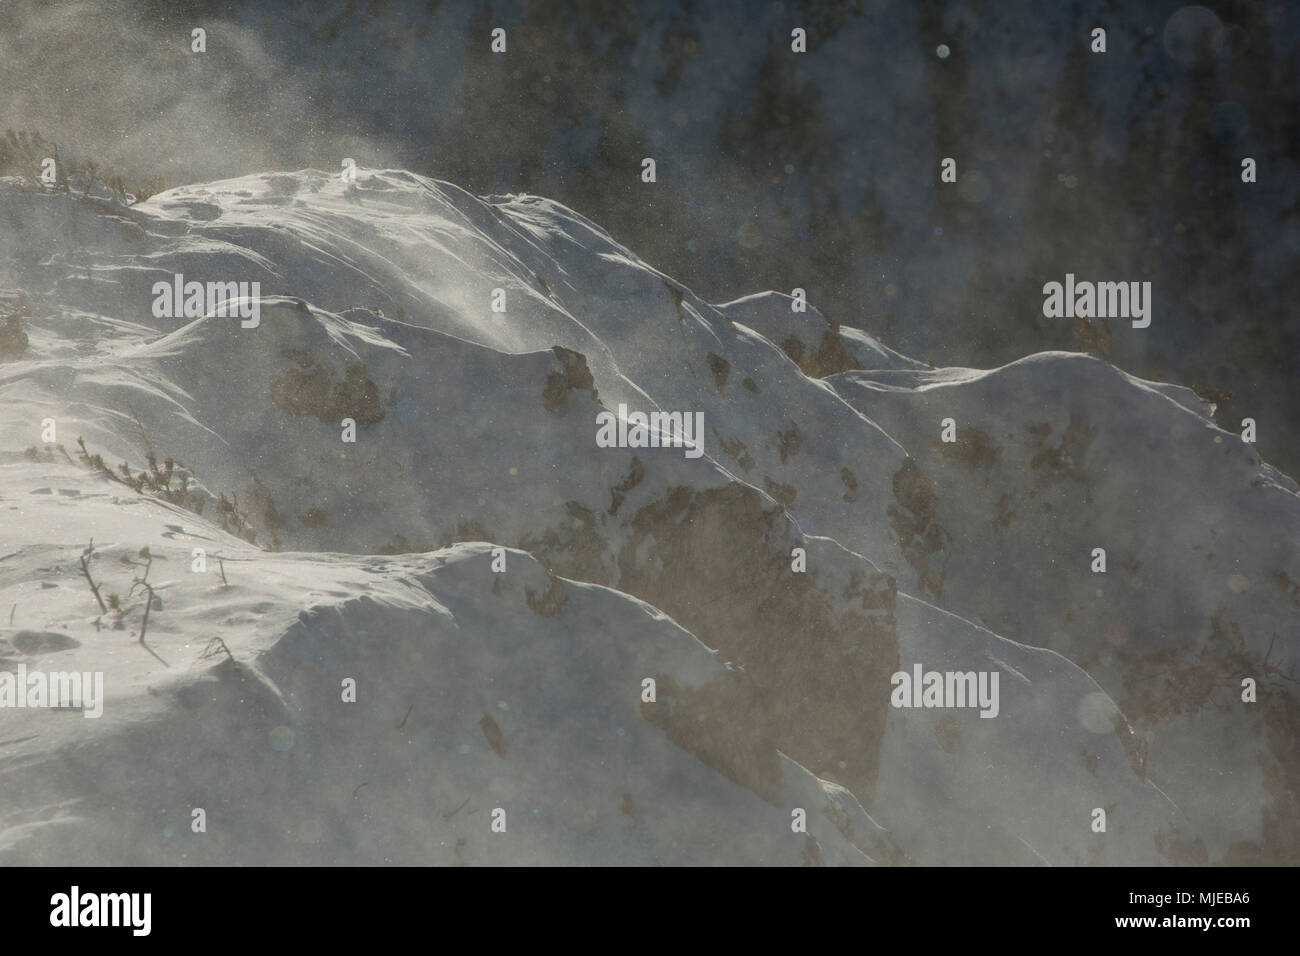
x=522 y=690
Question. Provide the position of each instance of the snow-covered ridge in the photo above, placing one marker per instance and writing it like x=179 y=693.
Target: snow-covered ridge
x=474 y=425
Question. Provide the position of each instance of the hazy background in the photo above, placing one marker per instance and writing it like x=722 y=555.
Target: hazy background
x=775 y=170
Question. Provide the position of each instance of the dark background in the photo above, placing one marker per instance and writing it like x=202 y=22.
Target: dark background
x=775 y=169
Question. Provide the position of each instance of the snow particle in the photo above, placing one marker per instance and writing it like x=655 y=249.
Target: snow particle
x=408 y=410
x=311 y=831
x=974 y=186
x=749 y=236
x=1097 y=713
x=1194 y=36
x=942 y=51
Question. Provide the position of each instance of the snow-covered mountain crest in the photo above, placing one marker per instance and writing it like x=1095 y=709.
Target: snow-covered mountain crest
x=392 y=478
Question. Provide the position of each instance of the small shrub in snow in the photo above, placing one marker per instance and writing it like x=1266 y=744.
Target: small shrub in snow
x=13 y=337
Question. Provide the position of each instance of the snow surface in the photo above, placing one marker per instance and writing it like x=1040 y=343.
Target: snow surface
x=522 y=690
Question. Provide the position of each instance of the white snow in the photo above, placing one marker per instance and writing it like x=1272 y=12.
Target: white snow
x=476 y=429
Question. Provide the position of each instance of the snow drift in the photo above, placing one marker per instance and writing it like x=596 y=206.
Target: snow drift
x=826 y=540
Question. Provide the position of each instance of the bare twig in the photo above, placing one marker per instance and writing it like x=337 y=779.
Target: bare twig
x=155 y=654
x=215 y=647
x=148 y=604
x=144 y=623
x=448 y=816
x=223 y=572
x=148 y=563
x=139 y=427
x=94 y=588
